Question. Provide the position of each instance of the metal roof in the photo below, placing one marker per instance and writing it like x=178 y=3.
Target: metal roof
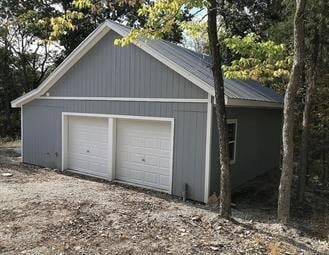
x=199 y=65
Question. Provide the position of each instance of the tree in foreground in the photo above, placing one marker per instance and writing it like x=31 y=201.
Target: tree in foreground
x=225 y=185
x=288 y=113
x=316 y=24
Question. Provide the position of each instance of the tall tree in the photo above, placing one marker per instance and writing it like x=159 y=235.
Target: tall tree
x=317 y=23
x=288 y=112
x=214 y=47
x=25 y=54
x=311 y=83
x=7 y=87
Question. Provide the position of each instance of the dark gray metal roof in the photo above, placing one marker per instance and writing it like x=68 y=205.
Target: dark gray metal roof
x=199 y=65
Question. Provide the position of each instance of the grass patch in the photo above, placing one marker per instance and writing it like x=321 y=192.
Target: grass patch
x=9 y=142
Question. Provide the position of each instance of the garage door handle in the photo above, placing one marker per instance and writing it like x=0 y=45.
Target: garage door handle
x=143 y=159
x=88 y=151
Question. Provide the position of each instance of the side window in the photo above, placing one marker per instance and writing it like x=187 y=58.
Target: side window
x=232 y=133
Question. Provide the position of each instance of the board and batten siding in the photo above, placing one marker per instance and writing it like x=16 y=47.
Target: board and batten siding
x=114 y=71
x=258 y=145
x=42 y=134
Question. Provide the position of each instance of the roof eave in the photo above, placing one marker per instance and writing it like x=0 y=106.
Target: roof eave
x=233 y=102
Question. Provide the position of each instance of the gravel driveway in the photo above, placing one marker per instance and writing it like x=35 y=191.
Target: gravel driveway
x=46 y=212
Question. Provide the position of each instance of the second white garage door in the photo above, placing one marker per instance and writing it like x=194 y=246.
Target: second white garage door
x=144 y=153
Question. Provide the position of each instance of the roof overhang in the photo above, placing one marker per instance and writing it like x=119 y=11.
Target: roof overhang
x=232 y=102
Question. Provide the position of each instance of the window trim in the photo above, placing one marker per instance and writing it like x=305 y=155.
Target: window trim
x=234 y=121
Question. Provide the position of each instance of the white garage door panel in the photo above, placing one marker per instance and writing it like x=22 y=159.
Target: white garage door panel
x=88 y=148
x=144 y=153
x=144 y=178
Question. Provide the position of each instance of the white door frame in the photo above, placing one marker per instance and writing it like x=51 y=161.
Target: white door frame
x=112 y=134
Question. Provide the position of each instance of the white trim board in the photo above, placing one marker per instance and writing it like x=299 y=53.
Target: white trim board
x=112 y=120
x=128 y=99
x=208 y=150
x=228 y=102
x=135 y=117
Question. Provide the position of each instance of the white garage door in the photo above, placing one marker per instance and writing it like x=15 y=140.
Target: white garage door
x=144 y=153
x=88 y=148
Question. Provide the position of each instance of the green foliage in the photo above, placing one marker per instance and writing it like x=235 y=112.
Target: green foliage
x=266 y=62
x=250 y=56
x=25 y=56
x=81 y=17
x=161 y=19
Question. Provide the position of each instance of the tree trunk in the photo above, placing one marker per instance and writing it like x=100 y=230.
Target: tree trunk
x=7 y=84
x=325 y=174
x=225 y=178
x=288 y=111
x=303 y=164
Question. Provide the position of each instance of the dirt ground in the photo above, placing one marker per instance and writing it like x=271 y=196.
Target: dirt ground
x=43 y=211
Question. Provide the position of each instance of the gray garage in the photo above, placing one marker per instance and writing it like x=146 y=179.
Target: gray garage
x=143 y=115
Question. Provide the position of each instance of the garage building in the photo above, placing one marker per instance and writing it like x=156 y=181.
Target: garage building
x=143 y=115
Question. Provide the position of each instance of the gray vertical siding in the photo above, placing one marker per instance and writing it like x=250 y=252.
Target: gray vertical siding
x=42 y=134
x=39 y=145
x=114 y=71
x=258 y=145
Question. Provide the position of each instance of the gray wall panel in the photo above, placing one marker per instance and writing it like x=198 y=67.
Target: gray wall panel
x=42 y=134
x=258 y=145
x=114 y=71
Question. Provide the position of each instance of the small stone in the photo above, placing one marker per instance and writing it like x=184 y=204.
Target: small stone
x=196 y=218
x=214 y=248
x=214 y=243
x=7 y=174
